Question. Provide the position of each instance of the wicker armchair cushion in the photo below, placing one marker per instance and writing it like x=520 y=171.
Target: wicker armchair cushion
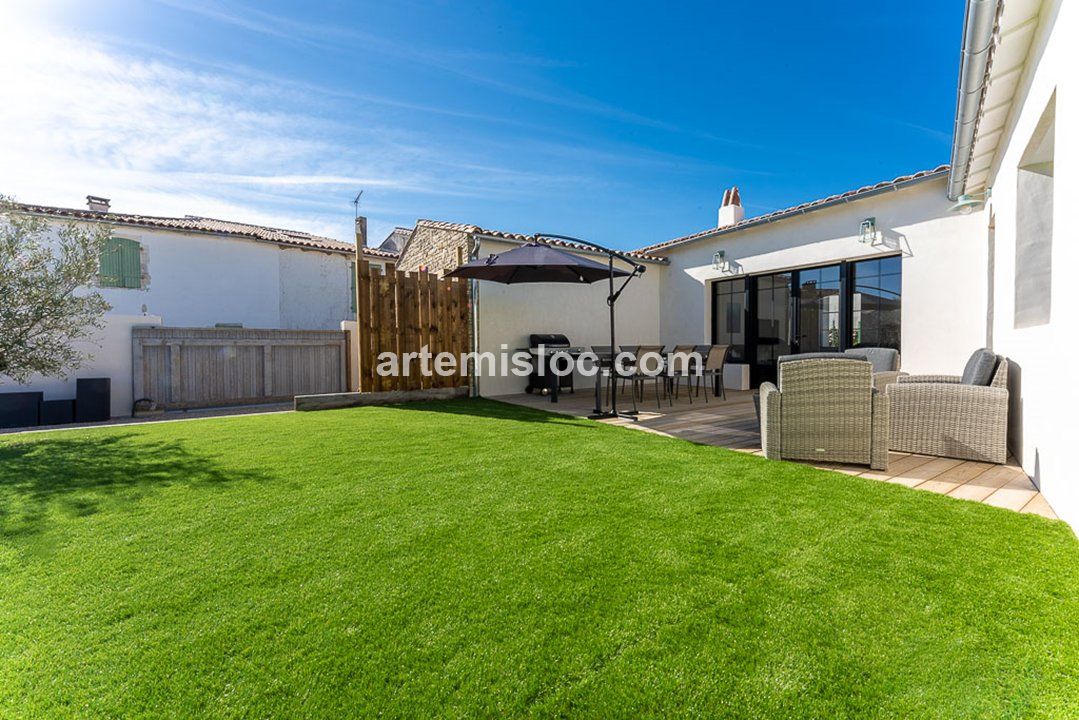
x=882 y=359
x=980 y=368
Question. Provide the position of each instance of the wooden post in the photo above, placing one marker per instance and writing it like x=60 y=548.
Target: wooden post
x=374 y=318
x=425 y=324
x=445 y=342
x=267 y=370
x=138 y=371
x=389 y=331
x=378 y=383
x=176 y=373
x=362 y=337
x=405 y=335
x=346 y=370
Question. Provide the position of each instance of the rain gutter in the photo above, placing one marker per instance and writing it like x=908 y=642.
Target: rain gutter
x=979 y=29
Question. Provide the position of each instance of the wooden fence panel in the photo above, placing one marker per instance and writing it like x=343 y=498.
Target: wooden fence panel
x=208 y=367
x=402 y=313
x=406 y=338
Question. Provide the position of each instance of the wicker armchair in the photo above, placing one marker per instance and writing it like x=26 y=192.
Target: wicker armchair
x=825 y=410
x=885 y=364
x=939 y=415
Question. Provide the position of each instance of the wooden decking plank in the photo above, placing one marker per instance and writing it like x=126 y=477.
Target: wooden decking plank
x=897 y=467
x=1038 y=506
x=1015 y=494
x=954 y=477
x=926 y=471
x=733 y=424
x=982 y=486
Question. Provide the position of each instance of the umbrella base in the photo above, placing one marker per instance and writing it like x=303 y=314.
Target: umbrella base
x=608 y=415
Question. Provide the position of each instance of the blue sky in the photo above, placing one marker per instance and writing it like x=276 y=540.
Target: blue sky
x=618 y=122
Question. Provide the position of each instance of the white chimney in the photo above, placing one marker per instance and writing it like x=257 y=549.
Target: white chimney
x=97 y=204
x=731 y=212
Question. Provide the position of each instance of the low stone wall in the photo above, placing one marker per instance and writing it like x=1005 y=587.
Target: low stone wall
x=330 y=401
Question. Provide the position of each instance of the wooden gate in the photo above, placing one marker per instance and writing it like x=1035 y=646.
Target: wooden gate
x=400 y=313
x=207 y=367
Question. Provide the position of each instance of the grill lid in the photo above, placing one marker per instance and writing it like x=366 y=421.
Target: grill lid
x=547 y=340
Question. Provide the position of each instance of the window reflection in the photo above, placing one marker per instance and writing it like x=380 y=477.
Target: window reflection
x=818 y=309
x=876 y=303
x=729 y=317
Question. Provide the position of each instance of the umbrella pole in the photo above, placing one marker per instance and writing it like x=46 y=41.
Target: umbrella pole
x=612 y=297
x=610 y=304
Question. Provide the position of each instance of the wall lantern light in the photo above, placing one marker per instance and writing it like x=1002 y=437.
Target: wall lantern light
x=719 y=260
x=868 y=231
x=965 y=204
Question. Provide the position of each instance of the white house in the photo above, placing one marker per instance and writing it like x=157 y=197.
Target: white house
x=937 y=263
x=975 y=249
x=1016 y=150
x=202 y=272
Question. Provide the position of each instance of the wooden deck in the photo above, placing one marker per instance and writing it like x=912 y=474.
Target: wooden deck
x=733 y=424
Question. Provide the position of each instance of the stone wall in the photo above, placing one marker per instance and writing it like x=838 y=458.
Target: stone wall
x=436 y=250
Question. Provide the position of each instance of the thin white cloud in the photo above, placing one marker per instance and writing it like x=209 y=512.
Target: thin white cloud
x=80 y=118
x=457 y=62
x=165 y=135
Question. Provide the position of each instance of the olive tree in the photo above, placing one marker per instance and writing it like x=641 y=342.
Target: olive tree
x=47 y=303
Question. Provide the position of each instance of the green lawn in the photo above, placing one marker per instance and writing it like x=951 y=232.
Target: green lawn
x=472 y=558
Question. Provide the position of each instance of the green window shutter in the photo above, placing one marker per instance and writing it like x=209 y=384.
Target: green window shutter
x=110 y=271
x=352 y=286
x=131 y=263
x=121 y=264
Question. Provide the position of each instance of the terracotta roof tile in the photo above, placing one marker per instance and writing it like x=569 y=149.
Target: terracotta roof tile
x=194 y=223
x=803 y=208
x=477 y=230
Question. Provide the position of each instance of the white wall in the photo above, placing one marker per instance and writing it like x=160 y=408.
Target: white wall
x=110 y=349
x=1044 y=428
x=944 y=269
x=509 y=313
x=198 y=280
x=314 y=290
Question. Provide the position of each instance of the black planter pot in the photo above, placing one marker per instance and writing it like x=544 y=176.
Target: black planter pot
x=93 y=399
x=20 y=409
x=57 y=412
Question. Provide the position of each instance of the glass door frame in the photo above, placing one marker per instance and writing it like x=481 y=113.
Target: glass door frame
x=761 y=373
x=764 y=370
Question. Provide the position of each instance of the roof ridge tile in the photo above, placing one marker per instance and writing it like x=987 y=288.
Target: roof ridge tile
x=795 y=209
x=201 y=223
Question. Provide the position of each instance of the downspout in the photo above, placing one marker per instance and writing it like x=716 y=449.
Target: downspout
x=979 y=25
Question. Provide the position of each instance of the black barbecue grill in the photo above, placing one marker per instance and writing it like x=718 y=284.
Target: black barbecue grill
x=545 y=349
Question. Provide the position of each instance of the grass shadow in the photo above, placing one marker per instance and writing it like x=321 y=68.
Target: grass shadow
x=78 y=476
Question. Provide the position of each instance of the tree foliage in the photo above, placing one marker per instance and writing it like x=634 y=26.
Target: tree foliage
x=46 y=301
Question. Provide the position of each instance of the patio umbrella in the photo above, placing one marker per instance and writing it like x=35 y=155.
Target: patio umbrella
x=538 y=262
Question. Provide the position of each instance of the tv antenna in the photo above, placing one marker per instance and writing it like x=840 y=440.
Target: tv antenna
x=356 y=202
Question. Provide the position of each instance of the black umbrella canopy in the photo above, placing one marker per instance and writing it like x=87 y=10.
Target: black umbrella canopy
x=536 y=263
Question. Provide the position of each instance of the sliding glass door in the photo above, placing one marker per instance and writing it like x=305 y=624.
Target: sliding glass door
x=773 y=324
x=819 y=300
x=829 y=308
x=729 y=307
